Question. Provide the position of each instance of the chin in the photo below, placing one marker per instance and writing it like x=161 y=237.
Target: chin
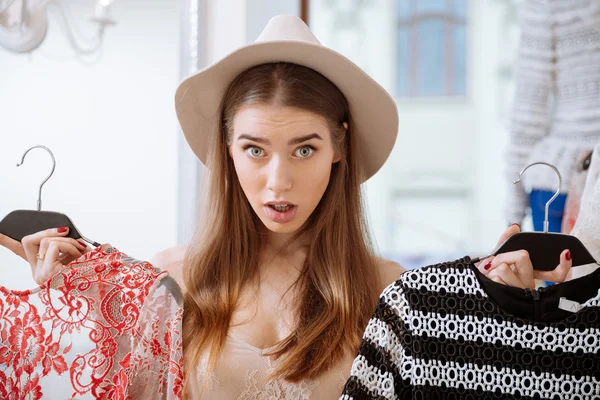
x=290 y=227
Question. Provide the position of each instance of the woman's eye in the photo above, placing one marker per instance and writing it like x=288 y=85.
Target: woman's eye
x=254 y=151
x=305 y=151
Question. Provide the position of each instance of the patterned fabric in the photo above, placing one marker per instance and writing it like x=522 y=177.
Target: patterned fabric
x=448 y=332
x=573 y=202
x=104 y=327
x=587 y=227
x=243 y=370
x=556 y=109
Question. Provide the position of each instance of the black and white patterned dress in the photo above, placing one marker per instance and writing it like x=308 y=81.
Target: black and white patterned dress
x=448 y=332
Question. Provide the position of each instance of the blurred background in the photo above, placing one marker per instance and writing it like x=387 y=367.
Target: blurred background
x=96 y=81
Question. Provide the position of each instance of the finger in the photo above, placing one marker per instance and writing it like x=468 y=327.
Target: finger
x=47 y=267
x=499 y=280
x=31 y=243
x=511 y=230
x=569 y=275
x=51 y=263
x=484 y=265
x=67 y=258
x=523 y=266
x=13 y=245
x=45 y=242
x=559 y=274
x=506 y=274
x=481 y=264
x=67 y=252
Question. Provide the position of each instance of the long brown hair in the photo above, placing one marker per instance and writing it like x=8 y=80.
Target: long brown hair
x=338 y=286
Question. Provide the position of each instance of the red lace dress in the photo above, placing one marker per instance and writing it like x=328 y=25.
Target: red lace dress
x=105 y=327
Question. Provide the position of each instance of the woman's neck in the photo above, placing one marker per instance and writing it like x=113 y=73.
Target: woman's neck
x=283 y=244
x=281 y=254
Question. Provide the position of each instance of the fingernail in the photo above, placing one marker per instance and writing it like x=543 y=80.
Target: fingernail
x=568 y=255
x=62 y=229
x=487 y=266
x=514 y=223
x=82 y=243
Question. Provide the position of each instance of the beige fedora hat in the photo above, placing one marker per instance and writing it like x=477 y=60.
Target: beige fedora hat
x=288 y=39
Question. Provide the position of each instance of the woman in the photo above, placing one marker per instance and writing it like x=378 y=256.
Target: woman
x=555 y=115
x=282 y=281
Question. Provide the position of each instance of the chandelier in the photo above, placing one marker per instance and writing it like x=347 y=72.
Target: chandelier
x=24 y=23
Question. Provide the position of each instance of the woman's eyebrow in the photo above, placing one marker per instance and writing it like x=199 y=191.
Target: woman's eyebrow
x=291 y=142
x=254 y=139
x=305 y=138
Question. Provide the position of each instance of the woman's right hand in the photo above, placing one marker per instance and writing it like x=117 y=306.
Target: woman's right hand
x=46 y=251
x=515 y=268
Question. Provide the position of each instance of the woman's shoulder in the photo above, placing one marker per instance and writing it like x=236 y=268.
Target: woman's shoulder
x=389 y=271
x=171 y=260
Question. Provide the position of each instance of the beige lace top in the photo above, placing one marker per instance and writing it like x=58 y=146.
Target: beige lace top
x=241 y=375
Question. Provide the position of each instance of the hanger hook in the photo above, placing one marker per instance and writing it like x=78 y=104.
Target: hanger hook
x=555 y=194
x=39 y=202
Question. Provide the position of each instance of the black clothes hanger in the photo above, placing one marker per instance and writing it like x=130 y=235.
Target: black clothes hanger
x=21 y=223
x=544 y=248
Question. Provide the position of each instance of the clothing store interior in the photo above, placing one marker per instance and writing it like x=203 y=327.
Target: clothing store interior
x=498 y=107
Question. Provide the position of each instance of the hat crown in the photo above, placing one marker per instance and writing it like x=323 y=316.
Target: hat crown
x=286 y=27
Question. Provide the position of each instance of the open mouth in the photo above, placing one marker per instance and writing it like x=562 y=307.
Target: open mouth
x=281 y=213
x=281 y=208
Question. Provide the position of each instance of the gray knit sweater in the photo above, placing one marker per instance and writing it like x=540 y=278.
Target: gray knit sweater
x=556 y=110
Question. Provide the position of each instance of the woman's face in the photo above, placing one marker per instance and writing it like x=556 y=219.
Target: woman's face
x=283 y=158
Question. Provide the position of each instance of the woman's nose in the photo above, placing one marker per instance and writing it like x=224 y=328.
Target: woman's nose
x=280 y=176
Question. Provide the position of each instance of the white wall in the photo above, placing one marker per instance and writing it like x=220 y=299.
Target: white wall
x=488 y=87
x=113 y=129
x=258 y=13
x=442 y=191
x=234 y=23
x=464 y=142
x=111 y=125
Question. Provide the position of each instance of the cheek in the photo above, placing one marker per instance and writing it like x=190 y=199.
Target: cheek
x=248 y=176
x=315 y=180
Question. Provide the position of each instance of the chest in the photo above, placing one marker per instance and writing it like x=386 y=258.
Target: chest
x=243 y=373
x=265 y=316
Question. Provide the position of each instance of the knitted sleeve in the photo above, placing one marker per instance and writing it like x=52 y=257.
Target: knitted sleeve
x=587 y=227
x=534 y=78
x=376 y=371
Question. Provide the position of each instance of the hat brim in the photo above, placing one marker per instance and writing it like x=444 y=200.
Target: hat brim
x=374 y=111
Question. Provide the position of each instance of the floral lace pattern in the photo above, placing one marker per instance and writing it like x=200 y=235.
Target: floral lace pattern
x=275 y=389
x=587 y=227
x=106 y=327
x=573 y=202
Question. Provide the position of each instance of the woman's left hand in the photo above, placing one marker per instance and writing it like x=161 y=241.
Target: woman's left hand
x=515 y=268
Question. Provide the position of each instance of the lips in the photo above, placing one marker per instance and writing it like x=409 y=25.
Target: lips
x=281 y=208
x=281 y=212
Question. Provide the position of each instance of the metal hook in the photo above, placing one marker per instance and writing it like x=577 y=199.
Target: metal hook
x=555 y=194
x=39 y=202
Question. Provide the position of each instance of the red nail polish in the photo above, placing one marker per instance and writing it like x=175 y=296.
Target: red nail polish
x=82 y=243
x=488 y=266
x=62 y=229
x=568 y=255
